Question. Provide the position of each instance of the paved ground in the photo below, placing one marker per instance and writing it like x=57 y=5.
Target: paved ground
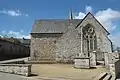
x=56 y=72
x=64 y=72
x=7 y=76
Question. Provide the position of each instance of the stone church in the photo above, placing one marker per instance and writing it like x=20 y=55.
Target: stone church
x=62 y=40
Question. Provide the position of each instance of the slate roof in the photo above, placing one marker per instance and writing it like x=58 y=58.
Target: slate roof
x=53 y=25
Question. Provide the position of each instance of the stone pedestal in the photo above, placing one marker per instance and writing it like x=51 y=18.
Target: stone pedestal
x=82 y=62
x=92 y=59
x=112 y=69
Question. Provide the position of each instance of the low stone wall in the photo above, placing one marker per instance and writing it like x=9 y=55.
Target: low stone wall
x=113 y=57
x=21 y=69
x=112 y=70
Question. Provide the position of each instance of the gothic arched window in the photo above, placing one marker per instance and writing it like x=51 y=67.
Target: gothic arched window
x=90 y=37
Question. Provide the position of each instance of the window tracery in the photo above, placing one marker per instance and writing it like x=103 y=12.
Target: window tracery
x=90 y=37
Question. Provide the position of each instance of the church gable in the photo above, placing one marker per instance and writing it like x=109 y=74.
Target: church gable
x=90 y=19
x=100 y=32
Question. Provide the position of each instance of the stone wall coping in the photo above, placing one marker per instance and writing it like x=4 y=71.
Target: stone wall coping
x=24 y=65
x=82 y=58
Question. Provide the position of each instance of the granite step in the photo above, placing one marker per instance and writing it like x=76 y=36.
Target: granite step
x=101 y=76
x=108 y=77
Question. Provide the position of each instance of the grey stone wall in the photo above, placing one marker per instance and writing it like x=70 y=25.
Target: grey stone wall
x=43 y=48
x=106 y=44
x=21 y=69
x=112 y=69
x=114 y=62
x=11 y=50
x=68 y=46
x=110 y=58
x=113 y=57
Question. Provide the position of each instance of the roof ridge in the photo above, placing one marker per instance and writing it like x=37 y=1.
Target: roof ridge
x=55 y=19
